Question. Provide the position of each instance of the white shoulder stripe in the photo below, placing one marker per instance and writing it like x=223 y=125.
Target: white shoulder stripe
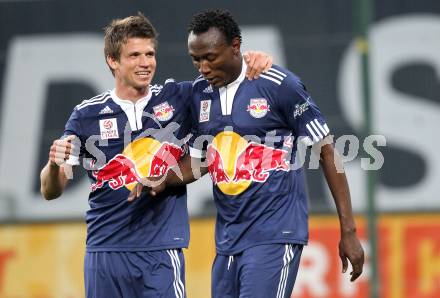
x=95 y=102
x=273 y=74
x=97 y=97
x=277 y=71
x=93 y=99
x=270 y=78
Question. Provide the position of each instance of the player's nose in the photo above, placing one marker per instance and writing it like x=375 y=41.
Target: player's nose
x=144 y=61
x=204 y=68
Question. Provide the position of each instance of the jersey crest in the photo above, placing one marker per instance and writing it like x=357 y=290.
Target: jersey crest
x=258 y=107
x=163 y=112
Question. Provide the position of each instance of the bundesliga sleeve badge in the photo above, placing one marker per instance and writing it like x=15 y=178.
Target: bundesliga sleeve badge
x=205 y=109
x=108 y=129
x=163 y=112
x=258 y=107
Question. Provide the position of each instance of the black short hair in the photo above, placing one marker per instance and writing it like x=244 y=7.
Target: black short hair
x=218 y=18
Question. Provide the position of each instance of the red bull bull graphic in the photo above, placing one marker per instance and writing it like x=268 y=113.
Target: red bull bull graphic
x=215 y=166
x=118 y=172
x=234 y=163
x=165 y=158
x=144 y=157
x=256 y=162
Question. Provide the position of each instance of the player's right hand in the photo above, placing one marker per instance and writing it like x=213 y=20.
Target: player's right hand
x=61 y=150
x=136 y=192
x=152 y=185
x=257 y=62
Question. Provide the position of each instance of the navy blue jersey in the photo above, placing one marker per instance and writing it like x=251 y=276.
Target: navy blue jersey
x=249 y=138
x=120 y=143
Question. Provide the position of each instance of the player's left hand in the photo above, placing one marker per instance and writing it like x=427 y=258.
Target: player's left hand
x=257 y=63
x=350 y=248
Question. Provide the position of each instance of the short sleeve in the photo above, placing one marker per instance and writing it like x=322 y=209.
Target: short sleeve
x=73 y=127
x=301 y=113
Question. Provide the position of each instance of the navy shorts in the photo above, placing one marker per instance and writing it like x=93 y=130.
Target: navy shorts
x=135 y=274
x=263 y=271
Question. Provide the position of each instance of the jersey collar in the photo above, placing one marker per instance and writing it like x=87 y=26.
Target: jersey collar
x=126 y=104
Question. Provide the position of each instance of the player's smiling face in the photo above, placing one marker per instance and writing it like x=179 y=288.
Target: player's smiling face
x=137 y=64
x=218 y=62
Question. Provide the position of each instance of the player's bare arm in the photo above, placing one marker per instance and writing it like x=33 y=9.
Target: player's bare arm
x=53 y=178
x=349 y=245
x=191 y=169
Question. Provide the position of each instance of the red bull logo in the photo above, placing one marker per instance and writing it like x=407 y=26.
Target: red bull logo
x=234 y=164
x=145 y=157
x=163 y=112
x=258 y=107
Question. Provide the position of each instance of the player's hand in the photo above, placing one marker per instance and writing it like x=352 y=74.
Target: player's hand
x=350 y=248
x=136 y=192
x=257 y=63
x=61 y=150
x=152 y=185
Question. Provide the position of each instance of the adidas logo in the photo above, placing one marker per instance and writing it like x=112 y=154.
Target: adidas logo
x=208 y=89
x=106 y=110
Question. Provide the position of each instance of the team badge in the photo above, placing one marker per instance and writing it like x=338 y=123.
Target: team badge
x=258 y=107
x=163 y=112
x=108 y=129
x=205 y=109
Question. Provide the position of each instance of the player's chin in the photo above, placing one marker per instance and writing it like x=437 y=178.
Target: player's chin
x=142 y=83
x=217 y=83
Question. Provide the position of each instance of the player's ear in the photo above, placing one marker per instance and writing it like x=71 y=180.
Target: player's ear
x=236 y=45
x=112 y=63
